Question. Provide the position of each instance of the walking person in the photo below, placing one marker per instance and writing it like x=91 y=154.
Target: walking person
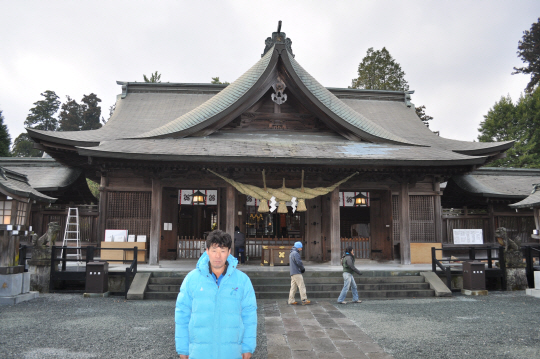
x=216 y=309
x=239 y=245
x=296 y=270
x=348 y=269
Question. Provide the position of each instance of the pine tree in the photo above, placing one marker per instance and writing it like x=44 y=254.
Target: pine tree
x=41 y=116
x=5 y=138
x=379 y=71
x=529 y=52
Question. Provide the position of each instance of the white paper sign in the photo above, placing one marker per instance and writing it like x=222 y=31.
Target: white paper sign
x=468 y=236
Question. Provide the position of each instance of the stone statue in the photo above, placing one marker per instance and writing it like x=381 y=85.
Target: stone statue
x=42 y=245
x=512 y=249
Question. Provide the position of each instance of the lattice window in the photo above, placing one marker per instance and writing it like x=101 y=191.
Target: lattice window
x=422 y=218
x=395 y=219
x=5 y=212
x=129 y=210
x=517 y=226
x=21 y=212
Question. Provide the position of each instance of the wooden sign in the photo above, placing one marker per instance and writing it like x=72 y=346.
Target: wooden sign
x=468 y=236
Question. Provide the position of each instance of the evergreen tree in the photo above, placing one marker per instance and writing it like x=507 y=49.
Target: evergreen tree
x=90 y=112
x=379 y=71
x=78 y=117
x=41 y=116
x=215 y=81
x=23 y=146
x=519 y=122
x=5 y=138
x=70 y=116
x=155 y=77
x=421 y=113
x=529 y=52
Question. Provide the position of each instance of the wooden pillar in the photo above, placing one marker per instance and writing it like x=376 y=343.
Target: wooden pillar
x=102 y=219
x=438 y=218
x=334 y=220
x=537 y=217
x=155 y=221
x=404 y=224
x=489 y=237
x=231 y=215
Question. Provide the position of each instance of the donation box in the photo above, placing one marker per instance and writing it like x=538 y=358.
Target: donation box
x=97 y=277
x=474 y=276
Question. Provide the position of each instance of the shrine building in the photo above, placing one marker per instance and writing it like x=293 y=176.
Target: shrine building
x=166 y=140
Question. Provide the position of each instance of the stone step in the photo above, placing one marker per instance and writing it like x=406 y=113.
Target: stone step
x=161 y=295
x=166 y=280
x=358 y=279
x=162 y=288
x=372 y=294
x=339 y=286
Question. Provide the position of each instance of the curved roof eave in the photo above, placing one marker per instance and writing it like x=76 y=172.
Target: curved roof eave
x=49 y=136
x=337 y=109
x=498 y=147
x=220 y=105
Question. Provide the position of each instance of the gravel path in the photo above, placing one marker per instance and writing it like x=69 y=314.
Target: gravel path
x=72 y=327
x=499 y=325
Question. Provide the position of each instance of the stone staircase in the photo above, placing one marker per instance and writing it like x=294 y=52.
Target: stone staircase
x=319 y=285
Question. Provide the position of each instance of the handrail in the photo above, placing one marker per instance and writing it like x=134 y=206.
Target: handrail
x=130 y=271
x=530 y=254
x=472 y=255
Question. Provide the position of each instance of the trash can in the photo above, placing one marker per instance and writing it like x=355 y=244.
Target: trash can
x=474 y=276
x=97 y=277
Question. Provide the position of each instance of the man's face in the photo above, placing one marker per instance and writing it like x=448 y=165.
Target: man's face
x=218 y=256
x=300 y=249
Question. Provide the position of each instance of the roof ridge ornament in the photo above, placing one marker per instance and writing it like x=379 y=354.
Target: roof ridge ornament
x=279 y=97
x=278 y=37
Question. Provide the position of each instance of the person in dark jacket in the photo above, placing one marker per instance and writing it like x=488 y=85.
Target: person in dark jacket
x=348 y=269
x=297 y=281
x=216 y=309
x=239 y=245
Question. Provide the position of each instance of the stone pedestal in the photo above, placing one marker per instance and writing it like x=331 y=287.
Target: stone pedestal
x=40 y=274
x=15 y=285
x=516 y=279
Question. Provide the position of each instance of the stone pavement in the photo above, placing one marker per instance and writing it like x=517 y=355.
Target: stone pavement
x=314 y=331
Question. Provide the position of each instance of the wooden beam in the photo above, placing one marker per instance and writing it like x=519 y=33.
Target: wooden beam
x=155 y=221
x=231 y=209
x=335 y=241
x=404 y=224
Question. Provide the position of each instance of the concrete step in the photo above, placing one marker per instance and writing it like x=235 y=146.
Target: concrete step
x=166 y=280
x=162 y=288
x=161 y=295
x=338 y=286
x=333 y=295
x=319 y=280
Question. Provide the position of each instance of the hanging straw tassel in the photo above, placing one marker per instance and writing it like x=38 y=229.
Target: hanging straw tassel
x=301 y=201
x=282 y=207
x=263 y=206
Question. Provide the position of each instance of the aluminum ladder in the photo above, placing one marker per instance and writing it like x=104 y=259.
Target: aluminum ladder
x=72 y=234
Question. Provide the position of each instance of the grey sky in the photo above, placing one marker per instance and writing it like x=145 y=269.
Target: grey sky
x=457 y=55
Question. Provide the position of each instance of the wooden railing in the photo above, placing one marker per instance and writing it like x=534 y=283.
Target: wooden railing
x=360 y=246
x=190 y=247
x=254 y=245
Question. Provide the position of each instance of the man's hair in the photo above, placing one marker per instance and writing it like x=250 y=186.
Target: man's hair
x=219 y=238
x=237 y=229
x=349 y=249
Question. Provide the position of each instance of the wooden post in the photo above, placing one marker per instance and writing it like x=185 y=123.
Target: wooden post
x=102 y=219
x=537 y=217
x=335 y=243
x=404 y=224
x=325 y=227
x=489 y=237
x=438 y=218
x=155 y=221
x=231 y=215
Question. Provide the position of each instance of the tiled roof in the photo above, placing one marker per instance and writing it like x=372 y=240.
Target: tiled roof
x=282 y=148
x=533 y=200
x=499 y=182
x=217 y=104
x=17 y=184
x=43 y=174
x=340 y=108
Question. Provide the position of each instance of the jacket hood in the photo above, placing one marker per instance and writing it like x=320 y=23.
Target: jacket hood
x=294 y=249
x=202 y=263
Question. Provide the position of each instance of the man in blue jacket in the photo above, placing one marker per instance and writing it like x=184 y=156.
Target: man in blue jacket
x=216 y=309
x=297 y=281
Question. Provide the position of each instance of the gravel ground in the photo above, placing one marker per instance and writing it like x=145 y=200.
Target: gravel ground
x=71 y=327
x=499 y=325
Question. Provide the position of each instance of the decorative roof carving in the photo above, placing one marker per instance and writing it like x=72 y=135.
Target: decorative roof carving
x=279 y=97
x=278 y=37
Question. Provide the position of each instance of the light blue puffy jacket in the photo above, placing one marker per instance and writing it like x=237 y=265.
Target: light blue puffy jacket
x=212 y=322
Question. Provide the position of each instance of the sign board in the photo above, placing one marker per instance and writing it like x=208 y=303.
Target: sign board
x=468 y=236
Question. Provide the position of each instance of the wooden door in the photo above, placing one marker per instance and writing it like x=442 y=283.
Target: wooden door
x=313 y=246
x=169 y=214
x=381 y=225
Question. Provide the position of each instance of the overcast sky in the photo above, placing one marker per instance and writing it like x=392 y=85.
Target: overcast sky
x=457 y=55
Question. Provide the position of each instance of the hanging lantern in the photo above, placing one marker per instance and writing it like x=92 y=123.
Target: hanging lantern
x=197 y=198
x=360 y=200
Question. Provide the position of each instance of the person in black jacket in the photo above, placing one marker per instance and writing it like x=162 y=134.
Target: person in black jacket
x=348 y=269
x=239 y=245
x=297 y=281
